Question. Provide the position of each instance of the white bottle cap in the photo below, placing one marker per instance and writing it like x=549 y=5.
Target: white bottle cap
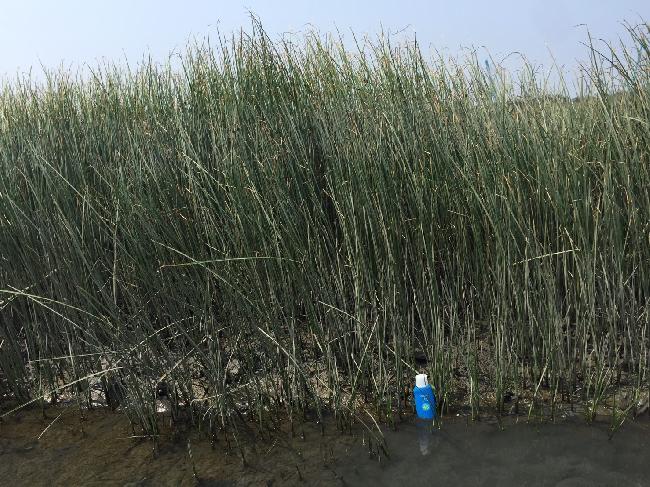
x=421 y=380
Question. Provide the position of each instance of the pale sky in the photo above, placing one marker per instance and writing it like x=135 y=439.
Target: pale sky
x=35 y=33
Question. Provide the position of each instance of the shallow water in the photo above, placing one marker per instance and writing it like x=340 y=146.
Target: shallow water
x=99 y=451
x=570 y=453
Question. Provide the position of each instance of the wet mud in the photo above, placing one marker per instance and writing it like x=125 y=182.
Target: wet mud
x=102 y=451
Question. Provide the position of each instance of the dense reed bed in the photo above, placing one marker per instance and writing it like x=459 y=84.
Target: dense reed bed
x=285 y=229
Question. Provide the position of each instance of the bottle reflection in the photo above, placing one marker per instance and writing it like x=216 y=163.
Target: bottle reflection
x=425 y=435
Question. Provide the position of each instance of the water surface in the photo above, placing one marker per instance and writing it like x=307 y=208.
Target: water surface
x=571 y=453
x=36 y=451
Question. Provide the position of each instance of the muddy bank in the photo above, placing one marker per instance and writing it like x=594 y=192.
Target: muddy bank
x=102 y=451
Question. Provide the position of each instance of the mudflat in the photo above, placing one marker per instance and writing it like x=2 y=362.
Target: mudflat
x=102 y=451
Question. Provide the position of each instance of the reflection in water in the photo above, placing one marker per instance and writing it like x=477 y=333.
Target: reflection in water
x=510 y=454
x=425 y=435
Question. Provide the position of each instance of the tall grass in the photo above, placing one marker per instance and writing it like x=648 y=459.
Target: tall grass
x=296 y=228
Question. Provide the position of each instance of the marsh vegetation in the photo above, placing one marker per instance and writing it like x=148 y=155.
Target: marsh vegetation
x=288 y=229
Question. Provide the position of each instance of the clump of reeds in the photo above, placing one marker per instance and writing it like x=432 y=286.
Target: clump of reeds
x=292 y=227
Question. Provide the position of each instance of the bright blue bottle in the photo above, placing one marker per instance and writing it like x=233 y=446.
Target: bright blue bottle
x=425 y=399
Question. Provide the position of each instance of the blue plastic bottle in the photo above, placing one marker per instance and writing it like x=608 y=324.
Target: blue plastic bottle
x=425 y=399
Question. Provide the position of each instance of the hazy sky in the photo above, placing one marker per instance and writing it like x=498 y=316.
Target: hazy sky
x=75 y=32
